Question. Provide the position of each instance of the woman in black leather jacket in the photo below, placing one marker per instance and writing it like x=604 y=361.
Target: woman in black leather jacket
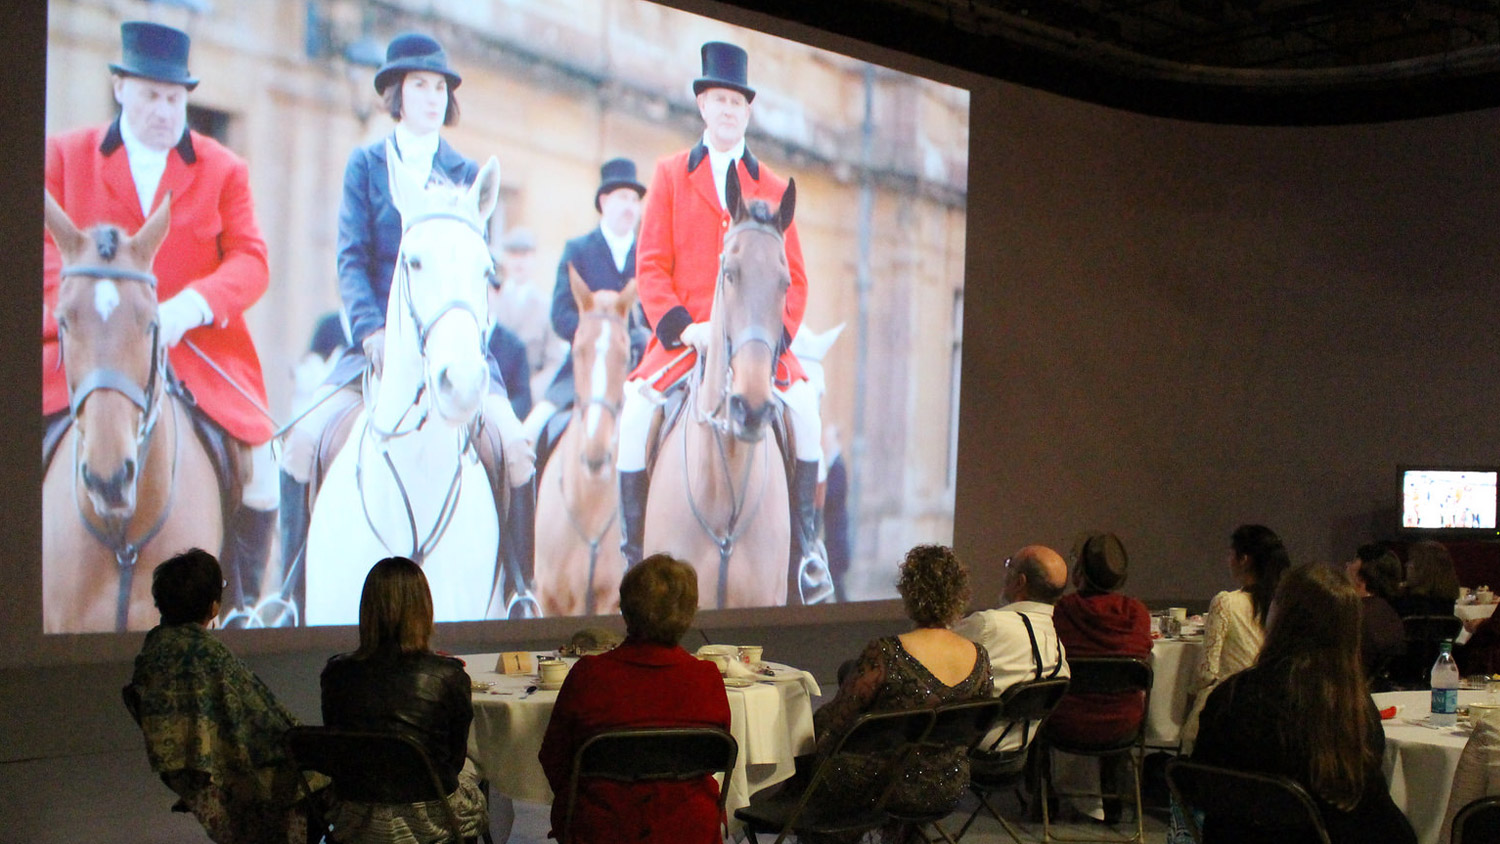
x=395 y=683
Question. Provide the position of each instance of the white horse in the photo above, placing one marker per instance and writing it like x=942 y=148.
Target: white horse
x=408 y=482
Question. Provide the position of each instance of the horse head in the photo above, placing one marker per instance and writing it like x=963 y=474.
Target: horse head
x=748 y=305
x=110 y=349
x=601 y=357
x=437 y=318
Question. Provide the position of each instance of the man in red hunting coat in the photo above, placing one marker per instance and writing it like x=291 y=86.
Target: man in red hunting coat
x=210 y=269
x=677 y=264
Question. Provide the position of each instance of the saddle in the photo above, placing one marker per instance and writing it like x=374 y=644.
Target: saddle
x=669 y=414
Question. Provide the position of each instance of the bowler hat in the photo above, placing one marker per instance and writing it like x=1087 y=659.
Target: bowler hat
x=156 y=52
x=1103 y=560
x=724 y=66
x=414 y=51
x=617 y=173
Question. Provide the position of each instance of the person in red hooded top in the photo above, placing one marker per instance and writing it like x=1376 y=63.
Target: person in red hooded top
x=1096 y=620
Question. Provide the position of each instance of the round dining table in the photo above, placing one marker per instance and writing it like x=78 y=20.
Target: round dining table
x=1174 y=667
x=1420 y=759
x=771 y=719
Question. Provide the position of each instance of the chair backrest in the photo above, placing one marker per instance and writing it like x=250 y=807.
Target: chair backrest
x=1478 y=821
x=1274 y=807
x=1110 y=675
x=132 y=697
x=1023 y=706
x=368 y=767
x=652 y=754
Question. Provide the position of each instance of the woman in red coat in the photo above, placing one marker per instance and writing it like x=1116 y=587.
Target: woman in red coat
x=649 y=681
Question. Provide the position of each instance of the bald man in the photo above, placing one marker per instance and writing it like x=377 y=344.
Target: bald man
x=1019 y=636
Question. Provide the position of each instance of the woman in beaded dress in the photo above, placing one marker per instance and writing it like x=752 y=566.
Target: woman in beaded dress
x=927 y=666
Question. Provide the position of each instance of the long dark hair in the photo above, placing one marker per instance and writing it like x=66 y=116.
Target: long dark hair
x=1312 y=651
x=1268 y=560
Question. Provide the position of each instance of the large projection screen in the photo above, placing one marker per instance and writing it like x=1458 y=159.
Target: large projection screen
x=553 y=90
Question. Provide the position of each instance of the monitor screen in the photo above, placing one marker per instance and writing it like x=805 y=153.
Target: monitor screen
x=257 y=319
x=1448 y=499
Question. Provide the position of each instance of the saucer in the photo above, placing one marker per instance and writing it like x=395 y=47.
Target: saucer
x=548 y=687
x=738 y=682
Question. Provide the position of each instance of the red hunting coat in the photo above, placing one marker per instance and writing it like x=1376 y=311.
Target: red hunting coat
x=214 y=246
x=638 y=684
x=677 y=256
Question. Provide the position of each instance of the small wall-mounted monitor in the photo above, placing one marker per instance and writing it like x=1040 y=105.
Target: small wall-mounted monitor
x=1453 y=501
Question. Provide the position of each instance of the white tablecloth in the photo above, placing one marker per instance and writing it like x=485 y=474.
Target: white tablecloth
x=1420 y=760
x=771 y=721
x=1174 y=665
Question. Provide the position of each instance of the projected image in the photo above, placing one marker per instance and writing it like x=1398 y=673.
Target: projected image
x=523 y=291
x=1448 y=499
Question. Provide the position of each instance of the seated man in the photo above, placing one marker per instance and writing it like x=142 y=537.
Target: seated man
x=1019 y=636
x=213 y=731
x=649 y=680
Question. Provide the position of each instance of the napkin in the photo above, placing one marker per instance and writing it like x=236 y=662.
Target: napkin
x=784 y=673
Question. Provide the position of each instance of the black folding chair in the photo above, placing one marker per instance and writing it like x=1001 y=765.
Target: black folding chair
x=652 y=754
x=955 y=726
x=1102 y=675
x=1478 y=822
x=801 y=805
x=368 y=767
x=1424 y=635
x=1024 y=706
x=1263 y=807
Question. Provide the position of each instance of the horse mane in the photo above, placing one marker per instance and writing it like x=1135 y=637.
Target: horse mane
x=106 y=241
x=760 y=212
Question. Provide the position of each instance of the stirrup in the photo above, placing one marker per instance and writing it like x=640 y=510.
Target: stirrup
x=525 y=604
x=814 y=581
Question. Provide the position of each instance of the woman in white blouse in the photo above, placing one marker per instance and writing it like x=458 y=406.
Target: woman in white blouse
x=1235 y=626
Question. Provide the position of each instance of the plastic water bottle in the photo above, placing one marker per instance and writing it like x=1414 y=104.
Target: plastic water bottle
x=1444 y=688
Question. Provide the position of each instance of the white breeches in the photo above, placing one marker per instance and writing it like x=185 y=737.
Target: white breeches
x=263 y=491
x=803 y=413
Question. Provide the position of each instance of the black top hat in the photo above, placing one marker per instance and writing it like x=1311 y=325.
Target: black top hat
x=617 y=173
x=724 y=67
x=414 y=51
x=156 y=52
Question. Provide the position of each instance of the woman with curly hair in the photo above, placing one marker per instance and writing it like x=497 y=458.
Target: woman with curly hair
x=929 y=665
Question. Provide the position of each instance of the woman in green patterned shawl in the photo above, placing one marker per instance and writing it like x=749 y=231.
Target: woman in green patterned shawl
x=213 y=730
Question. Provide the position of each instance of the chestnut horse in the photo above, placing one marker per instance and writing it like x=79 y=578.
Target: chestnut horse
x=718 y=494
x=578 y=500
x=129 y=482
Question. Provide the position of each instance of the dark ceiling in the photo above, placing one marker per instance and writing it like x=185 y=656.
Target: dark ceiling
x=1294 y=62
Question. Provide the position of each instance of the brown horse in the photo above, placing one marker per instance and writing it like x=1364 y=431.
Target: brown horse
x=718 y=490
x=114 y=499
x=578 y=500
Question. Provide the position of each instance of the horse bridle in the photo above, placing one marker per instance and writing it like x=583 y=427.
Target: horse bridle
x=148 y=400
x=751 y=335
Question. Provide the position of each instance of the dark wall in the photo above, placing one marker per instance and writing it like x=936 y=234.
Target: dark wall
x=1170 y=329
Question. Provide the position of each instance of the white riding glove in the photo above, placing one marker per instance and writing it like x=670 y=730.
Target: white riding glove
x=696 y=335
x=180 y=314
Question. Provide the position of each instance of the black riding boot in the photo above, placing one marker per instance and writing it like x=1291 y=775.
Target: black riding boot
x=521 y=550
x=633 y=486
x=810 y=561
x=247 y=547
x=294 y=522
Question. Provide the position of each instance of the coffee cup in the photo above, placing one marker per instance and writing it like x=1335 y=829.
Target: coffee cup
x=750 y=654
x=552 y=671
x=720 y=655
x=1178 y=614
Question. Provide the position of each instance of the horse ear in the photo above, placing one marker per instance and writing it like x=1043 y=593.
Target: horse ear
x=581 y=292
x=146 y=241
x=732 y=199
x=627 y=299
x=788 y=204
x=486 y=188
x=70 y=241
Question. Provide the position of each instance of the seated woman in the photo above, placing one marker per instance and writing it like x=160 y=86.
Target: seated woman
x=213 y=731
x=395 y=684
x=1235 y=625
x=1431 y=582
x=927 y=666
x=1376 y=575
x=1302 y=711
x=648 y=680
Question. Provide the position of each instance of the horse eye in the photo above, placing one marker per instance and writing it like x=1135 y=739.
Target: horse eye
x=414 y=263
x=62 y=322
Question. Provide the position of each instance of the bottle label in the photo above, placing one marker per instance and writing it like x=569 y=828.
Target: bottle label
x=1444 y=701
